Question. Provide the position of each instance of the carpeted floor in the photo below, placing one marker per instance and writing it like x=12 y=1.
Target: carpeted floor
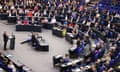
x=37 y=61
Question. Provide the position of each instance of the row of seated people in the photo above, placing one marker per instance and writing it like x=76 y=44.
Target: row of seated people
x=35 y=20
x=99 y=66
x=8 y=66
x=101 y=58
x=34 y=23
x=84 y=21
x=98 y=52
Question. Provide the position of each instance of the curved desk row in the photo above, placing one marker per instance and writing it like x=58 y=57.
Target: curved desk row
x=34 y=28
x=17 y=63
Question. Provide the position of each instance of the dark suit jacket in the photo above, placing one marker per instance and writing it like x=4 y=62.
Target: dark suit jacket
x=5 y=37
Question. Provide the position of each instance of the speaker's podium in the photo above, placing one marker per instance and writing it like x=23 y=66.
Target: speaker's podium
x=12 y=42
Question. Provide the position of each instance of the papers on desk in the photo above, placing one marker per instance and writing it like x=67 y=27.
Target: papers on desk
x=76 y=61
x=58 y=56
x=76 y=70
x=87 y=67
x=56 y=28
x=70 y=34
x=79 y=70
x=10 y=16
x=72 y=49
x=43 y=42
x=27 y=69
x=70 y=63
x=67 y=64
x=9 y=55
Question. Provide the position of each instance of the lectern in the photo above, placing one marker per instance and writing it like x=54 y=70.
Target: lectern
x=12 y=42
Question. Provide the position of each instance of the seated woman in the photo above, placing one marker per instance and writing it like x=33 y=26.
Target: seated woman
x=26 y=21
x=11 y=65
x=19 y=21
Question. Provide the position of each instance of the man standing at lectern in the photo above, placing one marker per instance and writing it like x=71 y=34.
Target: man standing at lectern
x=5 y=39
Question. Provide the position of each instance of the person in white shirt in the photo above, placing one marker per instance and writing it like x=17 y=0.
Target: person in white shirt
x=45 y=20
x=0 y=7
x=12 y=7
x=11 y=65
x=45 y=12
x=88 y=23
x=20 y=11
x=26 y=11
x=109 y=24
x=53 y=20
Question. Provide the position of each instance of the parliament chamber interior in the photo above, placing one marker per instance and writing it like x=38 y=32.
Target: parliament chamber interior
x=59 y=35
